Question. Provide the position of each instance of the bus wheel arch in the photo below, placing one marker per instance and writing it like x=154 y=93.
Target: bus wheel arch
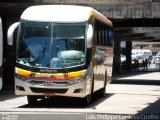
x=88 y=99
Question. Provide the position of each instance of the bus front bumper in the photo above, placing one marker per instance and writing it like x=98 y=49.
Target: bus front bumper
x=80 y=89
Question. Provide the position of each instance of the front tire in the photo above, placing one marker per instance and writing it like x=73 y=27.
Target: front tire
x=88 y=99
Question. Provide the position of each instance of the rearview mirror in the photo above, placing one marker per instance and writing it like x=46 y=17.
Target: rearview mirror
x=89 y=36
x=11 y=32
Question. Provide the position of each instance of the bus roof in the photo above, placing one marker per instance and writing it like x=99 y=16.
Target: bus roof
x=62 y=14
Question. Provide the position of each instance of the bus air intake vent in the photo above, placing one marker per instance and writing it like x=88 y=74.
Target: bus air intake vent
x=43 y=90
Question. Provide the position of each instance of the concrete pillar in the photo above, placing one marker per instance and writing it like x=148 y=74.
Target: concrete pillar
x=128 y=56
x=116 y=60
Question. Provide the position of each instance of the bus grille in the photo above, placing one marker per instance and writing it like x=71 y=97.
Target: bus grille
x=51 y=83
x=45 y=90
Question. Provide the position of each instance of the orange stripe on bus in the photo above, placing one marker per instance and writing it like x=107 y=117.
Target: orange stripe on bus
x=101 y=18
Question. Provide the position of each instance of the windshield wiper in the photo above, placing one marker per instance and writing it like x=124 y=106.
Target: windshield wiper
x=61 y=57
x=44 y=46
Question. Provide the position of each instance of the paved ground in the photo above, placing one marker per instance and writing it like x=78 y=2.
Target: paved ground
x=128 y=99
x=120 y=99
x=147 y=77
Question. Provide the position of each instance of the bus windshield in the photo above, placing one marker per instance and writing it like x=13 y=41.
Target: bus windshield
x=54 y=45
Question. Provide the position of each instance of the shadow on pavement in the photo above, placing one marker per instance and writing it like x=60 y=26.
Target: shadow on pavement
x=130 y=74
x=152 y=112
x=7 y=94
x=137 y=82
x=138 y=78
x=67 y=102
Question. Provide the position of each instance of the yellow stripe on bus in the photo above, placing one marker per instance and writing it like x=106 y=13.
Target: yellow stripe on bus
x=27 y=73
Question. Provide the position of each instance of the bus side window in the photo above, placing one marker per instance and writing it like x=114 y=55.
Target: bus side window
x=106 y=36
x=95 y=37
x=100 y=33
x=110 y=38
x=97 y=34
x=100 y=37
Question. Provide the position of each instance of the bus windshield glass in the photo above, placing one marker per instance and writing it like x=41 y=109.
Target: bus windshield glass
x=54 y=45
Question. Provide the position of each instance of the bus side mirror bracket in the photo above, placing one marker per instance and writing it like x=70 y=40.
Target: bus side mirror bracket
x=89 y=36
x=11 y=32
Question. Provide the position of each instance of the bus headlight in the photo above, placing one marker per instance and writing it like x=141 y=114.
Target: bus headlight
x=20 y=77
x=75 y=80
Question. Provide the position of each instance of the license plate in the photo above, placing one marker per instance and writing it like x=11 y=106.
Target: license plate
x=49 y=94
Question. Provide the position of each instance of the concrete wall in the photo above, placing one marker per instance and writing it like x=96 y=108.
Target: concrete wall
x=95 y=1
x=150 y=31
x=117 y=8
x=134 y=10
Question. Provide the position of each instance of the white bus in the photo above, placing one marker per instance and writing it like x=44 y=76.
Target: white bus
x=62 y=50
x=1 y=54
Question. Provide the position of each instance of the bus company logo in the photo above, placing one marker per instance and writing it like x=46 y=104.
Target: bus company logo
x=48 y=71
x=41 y=75
x=48 y=83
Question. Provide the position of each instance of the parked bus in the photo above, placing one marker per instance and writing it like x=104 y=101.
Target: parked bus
x=1 y=54
x=62 y=50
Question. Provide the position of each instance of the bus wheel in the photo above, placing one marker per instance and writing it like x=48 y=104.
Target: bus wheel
x=88 y=98
x=32 y=100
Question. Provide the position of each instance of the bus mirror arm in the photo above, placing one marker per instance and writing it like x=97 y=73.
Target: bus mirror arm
x=89 y=36
x=11 y=32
